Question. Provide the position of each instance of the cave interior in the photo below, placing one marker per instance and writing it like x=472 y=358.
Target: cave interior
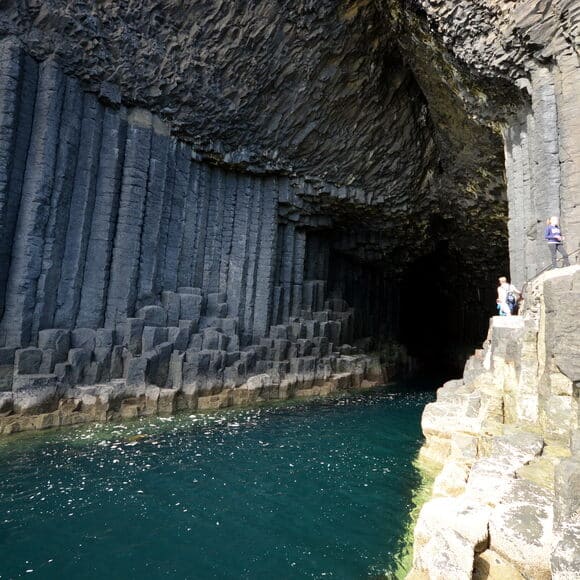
x=388 y=176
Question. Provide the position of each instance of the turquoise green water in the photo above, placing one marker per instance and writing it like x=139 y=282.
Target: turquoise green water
x=310 y=490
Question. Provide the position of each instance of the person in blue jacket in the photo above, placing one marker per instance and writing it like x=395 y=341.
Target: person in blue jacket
x=553 y=235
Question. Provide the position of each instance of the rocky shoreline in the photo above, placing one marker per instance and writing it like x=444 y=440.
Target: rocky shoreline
x=117 y=400
x=506 y=438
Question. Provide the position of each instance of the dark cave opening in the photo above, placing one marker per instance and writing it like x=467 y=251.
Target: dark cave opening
x=432 y=315
x=433 y=308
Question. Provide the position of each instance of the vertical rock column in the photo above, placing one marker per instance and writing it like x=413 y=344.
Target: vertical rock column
x=266 y=262
x=567 y=90
x=543 y=171
x=127 y=245
x=284 y=267
x=81 y=214
x=519 y=197
x=165 y=218
x=247 y=307
x=298 y=271
x=58 y=221
x=196 y=188
x=202 y=211
x=157 y=197
x=27 y=249
x=101 y=211
x=230 y=196
x=289 y=273
x=238 y=259
x=213 y=239
x=179 y=195
x=18 y=79
x=100 y=246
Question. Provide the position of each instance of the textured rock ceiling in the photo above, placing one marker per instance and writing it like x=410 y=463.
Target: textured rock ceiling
x=306 y=86
x=353 y=94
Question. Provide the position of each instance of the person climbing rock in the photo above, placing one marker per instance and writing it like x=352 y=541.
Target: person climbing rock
x=507 y=297
x=553 y=235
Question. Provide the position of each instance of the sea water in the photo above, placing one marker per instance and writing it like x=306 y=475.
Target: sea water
x=319 y=489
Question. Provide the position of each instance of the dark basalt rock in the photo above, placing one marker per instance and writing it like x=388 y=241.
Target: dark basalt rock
x=290 y=177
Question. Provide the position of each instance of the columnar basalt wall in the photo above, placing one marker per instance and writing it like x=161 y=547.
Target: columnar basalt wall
x=103 y=210
x=137 y=279
x=352 y=103
x=543 y=167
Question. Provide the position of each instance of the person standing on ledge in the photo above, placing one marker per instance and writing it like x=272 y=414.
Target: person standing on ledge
x=506 y=297
x=553 y=235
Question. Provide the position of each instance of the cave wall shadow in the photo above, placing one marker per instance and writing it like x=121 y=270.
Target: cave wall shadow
x=435 y=308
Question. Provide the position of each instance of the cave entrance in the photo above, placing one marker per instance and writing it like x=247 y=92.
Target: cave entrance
x=433 y=307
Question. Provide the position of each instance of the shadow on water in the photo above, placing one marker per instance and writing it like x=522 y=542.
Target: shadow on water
x=310 y=489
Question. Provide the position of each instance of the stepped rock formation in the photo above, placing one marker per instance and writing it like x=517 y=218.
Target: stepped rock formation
x=505 y=503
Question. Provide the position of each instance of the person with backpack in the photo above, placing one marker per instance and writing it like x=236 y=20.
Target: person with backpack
x=553 y=235
x=507 y=297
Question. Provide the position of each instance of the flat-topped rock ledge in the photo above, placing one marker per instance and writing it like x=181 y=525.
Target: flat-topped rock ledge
x=186 y=353
x=506 y=503
x=42 y=405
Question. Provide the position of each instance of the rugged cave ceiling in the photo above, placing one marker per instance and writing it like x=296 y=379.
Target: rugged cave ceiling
x=344 y=94
x=393 y=142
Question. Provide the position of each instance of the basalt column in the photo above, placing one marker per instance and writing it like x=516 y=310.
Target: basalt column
x=103 y=211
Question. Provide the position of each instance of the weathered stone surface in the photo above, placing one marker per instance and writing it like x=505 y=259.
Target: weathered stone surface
x=520 y=529
x=565 y=561
x=561 y=299
x=466 y=517
x=6 y=403
x=446 y=555
x=55 y=339
x=83 y=338
x=153 y=315
x=35 y=394
x=132 y=331
x=451 y=481
x=522 y=447
x=567 y=484
x=27 y=361
x=489 y=565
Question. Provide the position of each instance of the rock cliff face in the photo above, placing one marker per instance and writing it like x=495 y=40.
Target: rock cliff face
x=340 y=96
x=505 y=504
x=128 y=260
x=198 y=177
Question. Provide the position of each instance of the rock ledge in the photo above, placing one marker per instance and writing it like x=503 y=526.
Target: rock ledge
x=505 y=503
